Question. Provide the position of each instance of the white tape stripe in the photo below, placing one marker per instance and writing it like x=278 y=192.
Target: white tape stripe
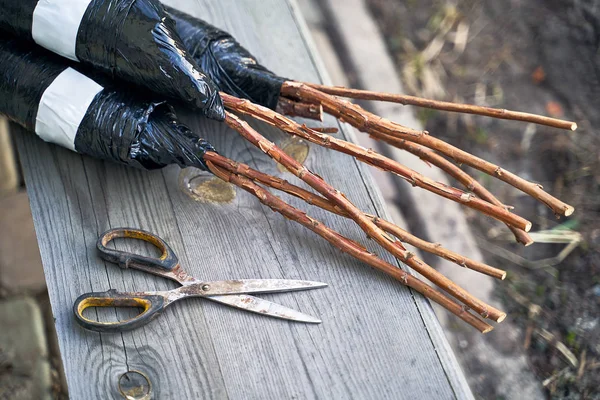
x=63 y=106
x=56 y=23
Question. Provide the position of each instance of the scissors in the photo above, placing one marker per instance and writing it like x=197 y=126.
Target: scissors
x=233 y=293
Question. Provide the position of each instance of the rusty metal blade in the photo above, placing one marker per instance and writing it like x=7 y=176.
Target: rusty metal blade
x=264 y=307
x=256 y=286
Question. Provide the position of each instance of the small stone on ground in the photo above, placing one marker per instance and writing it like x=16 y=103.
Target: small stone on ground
x=20 y=262
x=24 y=367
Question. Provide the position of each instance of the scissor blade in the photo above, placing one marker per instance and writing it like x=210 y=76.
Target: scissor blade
x=264 y=307
x=257 y=286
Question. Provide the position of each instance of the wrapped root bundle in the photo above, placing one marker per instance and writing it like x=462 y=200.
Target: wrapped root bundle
x=133 y=40
x=62 y=105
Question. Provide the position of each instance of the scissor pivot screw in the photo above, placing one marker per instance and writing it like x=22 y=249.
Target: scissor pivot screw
x=205 y=287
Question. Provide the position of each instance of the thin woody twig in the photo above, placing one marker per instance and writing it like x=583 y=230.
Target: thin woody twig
x=311 y=198
x=425 y=154
x=438 y=250
x=445 y=106
x=294 y=108
x=385 y=240
x=454 y=171
x=375 y=159
x=462 y=157
x=348 y=246
x=324 y=129
x=373 y=124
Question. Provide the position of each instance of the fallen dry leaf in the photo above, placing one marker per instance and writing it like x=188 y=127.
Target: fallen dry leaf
x=539 y=75
x=554 y=109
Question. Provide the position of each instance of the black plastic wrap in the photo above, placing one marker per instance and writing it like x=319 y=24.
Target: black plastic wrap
x=227 y=63
x=120 y=127
x=120 y=124
x=133 y=40
x=17 y=17
x=26 y=73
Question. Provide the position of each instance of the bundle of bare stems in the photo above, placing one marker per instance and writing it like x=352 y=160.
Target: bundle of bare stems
x=386 y=234
x=311 y=100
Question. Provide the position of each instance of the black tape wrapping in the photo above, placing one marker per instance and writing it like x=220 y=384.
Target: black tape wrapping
x=119 y=125
x=16 y=17
x=140 y=133
x=227 y=63
x=133 y=40
x=26 y=72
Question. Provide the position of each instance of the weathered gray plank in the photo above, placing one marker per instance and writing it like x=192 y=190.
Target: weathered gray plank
x=377 y=340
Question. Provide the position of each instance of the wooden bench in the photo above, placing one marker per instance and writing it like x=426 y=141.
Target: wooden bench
x=377 y=340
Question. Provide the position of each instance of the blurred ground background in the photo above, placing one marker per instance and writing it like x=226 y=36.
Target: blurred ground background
x=542 y=57
x=531 y=55
x=30 y=365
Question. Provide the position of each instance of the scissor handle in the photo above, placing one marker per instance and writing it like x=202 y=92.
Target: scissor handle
x=153 y=305
x=167 y=260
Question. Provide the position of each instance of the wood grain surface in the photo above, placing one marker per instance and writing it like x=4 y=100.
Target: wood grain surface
x=377 y=340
